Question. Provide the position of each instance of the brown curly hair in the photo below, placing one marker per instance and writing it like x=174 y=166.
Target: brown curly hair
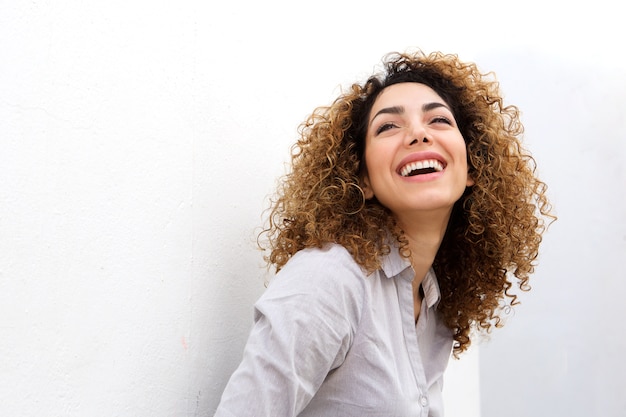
x=495 y=229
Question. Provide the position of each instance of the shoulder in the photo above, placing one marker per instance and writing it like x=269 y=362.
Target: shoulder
x=330 y=263
x=327 y=276
x=331 y=253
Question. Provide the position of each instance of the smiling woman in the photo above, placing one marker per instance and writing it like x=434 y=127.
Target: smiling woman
x=400 y=147
x=410 y=210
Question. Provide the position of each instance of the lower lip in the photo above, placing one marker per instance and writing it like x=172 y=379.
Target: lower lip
x=423 y=177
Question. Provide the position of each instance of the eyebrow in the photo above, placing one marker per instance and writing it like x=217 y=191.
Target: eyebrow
x=400 y=109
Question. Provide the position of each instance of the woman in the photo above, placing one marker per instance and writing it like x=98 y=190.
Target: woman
x=410 y=210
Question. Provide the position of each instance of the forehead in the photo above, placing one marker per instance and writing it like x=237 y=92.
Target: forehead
x=405 y=94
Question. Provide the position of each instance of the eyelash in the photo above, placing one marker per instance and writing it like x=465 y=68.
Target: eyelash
x=439 y=119
x=386 y=126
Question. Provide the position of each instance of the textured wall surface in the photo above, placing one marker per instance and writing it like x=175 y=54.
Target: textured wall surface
x=140 y=140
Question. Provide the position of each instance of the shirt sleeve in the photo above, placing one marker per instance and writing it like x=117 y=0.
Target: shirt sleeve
x=303 y=327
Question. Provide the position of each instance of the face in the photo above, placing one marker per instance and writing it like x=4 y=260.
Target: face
x=415 y=155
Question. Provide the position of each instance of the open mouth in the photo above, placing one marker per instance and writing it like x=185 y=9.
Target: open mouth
x=427 y=166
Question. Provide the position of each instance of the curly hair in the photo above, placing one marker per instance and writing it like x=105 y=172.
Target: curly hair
x=495 y=228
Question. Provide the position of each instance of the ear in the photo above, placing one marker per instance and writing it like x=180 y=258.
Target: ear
x=470 y=181
x=368 y=192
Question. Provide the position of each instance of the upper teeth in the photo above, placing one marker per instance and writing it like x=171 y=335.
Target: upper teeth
x=428 y=163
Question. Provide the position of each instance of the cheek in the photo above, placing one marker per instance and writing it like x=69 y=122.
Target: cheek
x=469 y=181
x=373 y=164
x=368 y=160
x=371 y=178
x=378 y=153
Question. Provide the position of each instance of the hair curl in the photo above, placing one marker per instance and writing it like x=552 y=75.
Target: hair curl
x=495 y=228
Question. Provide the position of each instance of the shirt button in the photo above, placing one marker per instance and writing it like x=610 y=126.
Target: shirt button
x=424 y=400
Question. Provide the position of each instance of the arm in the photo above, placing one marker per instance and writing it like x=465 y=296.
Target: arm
x=303 y=328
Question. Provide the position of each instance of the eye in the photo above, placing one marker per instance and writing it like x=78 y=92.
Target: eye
x=384 y=127
x=441 y=119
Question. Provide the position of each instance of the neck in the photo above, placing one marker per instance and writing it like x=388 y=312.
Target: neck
x=424 y=236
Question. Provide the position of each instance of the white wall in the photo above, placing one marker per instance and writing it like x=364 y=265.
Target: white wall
x=140 y=139
x=561 y=354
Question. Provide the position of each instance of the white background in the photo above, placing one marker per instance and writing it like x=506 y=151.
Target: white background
x=140 y=140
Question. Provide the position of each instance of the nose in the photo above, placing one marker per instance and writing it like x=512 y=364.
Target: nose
x=416 y=141
x=417 y=134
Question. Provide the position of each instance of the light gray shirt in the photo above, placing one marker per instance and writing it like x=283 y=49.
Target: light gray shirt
x=330 y=340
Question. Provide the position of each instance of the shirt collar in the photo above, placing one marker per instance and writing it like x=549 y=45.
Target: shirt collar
x=432 y=293
x=396 y=265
